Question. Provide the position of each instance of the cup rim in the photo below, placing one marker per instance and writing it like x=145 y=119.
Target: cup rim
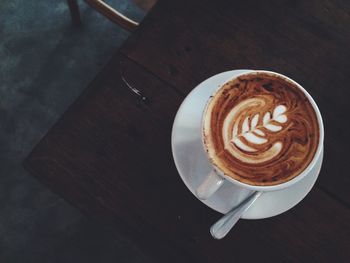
x=265 y=188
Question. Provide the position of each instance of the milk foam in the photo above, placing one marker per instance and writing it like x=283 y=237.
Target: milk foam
x=254 y=129
x=260 y=129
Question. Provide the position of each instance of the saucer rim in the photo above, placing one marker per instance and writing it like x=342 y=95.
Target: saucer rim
x=177 y=162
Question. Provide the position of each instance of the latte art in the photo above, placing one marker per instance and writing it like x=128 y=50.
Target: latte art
x=260 y=129
x=248 y=132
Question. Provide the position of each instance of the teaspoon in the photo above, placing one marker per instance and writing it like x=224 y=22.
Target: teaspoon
x=224 y=224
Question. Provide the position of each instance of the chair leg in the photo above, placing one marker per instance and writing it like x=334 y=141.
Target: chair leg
x=74 y=11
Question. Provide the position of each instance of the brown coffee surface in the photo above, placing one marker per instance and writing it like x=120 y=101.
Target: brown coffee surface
x=260 y=129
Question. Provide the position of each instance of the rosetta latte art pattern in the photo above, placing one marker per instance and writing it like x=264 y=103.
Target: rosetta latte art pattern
x=253 y=130
x=261 y=129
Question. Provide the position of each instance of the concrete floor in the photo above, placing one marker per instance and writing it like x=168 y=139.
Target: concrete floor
x=45 y=63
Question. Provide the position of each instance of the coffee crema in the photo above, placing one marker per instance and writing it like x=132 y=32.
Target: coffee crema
x=260 y=129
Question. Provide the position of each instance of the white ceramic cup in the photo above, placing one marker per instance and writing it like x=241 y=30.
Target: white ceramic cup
x=216 y=177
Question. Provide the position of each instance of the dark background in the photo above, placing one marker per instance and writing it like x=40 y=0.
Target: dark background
x=45 y=63
x=110 y=129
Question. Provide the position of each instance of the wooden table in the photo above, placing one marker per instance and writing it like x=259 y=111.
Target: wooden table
x=110 y=156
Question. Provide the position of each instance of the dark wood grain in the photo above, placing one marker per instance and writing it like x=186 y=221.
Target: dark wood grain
x=305 y=40
x=110 y=156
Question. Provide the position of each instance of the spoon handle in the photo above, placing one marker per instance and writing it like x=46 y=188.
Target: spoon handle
x=224 y=224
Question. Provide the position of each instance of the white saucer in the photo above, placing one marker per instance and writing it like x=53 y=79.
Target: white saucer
x=193 y=165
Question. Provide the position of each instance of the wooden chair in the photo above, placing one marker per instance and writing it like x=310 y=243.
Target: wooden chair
x=109 y=12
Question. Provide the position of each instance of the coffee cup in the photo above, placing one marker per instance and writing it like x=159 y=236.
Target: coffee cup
x=292 y=164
